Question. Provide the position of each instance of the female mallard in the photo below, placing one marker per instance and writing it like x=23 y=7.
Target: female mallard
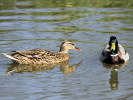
x=114 y=53
x=42 y=56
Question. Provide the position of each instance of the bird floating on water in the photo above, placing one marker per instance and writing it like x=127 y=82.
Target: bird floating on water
x=114 y=53
x=42 y=56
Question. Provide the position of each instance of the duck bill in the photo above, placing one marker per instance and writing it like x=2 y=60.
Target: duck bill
x=77 y=49
x=113 y=46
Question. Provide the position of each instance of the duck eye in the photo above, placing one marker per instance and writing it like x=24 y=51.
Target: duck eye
x=72 y=44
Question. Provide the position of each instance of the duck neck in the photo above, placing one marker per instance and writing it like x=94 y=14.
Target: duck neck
x=63 y=50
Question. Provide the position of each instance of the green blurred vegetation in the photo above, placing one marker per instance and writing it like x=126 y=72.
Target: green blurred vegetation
x=8 y=4
x=60 y=14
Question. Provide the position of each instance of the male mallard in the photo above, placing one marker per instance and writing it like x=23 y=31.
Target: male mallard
x=42 y=56
x=114 y=52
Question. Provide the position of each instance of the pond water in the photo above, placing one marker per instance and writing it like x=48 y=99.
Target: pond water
x=29 y=24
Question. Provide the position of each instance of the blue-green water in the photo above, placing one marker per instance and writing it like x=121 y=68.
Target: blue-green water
x=29 y=24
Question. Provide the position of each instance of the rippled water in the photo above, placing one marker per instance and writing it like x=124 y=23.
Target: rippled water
x=28 y=24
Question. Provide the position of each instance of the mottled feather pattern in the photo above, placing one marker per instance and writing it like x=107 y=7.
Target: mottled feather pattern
x=41 y=56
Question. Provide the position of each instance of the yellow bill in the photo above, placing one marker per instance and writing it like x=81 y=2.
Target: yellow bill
x=113 y=46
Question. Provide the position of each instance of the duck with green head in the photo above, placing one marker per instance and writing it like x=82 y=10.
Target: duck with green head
x=114 y=53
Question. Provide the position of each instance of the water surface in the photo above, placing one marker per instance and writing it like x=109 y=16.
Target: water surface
x=28 y=24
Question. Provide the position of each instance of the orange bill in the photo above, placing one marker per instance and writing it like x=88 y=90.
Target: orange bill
x=77 y=49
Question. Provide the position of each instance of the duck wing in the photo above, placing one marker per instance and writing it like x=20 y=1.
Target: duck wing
x=122 y=51
x=35 y=53
x=106 y=51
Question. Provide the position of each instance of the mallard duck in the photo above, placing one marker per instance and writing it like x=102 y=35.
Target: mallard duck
x=42 y=56
x=114 y=53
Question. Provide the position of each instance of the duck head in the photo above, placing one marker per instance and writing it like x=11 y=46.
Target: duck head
x=113 y=43
x=113 y=57
x=67 y=45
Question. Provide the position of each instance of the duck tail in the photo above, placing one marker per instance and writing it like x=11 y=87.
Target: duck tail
x=10 y=57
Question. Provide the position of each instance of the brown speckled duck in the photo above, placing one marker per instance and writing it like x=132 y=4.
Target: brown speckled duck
x=114 y=53
x=42 y=56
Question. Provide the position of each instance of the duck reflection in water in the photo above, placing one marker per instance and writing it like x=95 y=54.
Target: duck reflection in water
x=20 y=68
x=114 y=74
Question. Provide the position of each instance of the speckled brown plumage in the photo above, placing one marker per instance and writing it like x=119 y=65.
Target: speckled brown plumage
x=39 y=56
x=42 y=56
